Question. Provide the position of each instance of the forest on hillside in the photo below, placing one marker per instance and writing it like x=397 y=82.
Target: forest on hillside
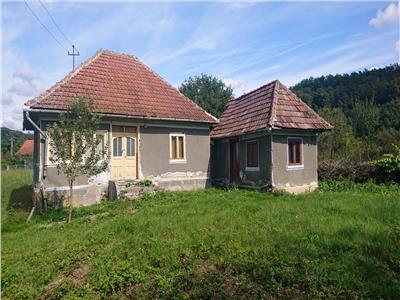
x=17 y=137
x=363 y=106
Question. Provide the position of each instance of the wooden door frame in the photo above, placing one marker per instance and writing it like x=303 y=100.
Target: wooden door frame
x=124 y=135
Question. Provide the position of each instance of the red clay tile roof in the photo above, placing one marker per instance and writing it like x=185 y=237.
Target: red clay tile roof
x=26 y=148
x=272 y=105
x=120 y=84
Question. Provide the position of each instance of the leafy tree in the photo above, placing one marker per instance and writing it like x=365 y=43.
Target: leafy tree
x=390 y=114
x=73 y=145
x=339 y=142
x=208 y=92
x=369 y=99
x=365 y=117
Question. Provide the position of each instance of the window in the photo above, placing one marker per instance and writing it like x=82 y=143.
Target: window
x=49 y=154
x=177 y=148
x=117 y=146
x=100 y=148
x=295 y=152
x=252 y=156
x=130 y=146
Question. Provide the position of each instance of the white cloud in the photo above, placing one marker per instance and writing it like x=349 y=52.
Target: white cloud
x=28 y=89
x=397 y=46
x=26 y=74
x=239 y=86
x=240 y=5
x=390 y=14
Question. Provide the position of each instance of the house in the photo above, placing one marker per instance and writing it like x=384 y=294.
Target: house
x=26 y=149
x=267 y=137
x=152 y=130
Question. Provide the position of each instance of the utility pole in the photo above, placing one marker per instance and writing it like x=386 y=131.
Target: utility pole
x=73 y=54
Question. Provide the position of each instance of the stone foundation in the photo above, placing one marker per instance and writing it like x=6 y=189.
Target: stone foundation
x=298 y=189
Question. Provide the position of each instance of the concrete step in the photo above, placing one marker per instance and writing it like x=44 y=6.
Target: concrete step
x=130 y=189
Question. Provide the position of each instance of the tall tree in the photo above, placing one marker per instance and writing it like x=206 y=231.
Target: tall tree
x=208 y=92
x=339 y=142
x=365 y=119
x=73 y=145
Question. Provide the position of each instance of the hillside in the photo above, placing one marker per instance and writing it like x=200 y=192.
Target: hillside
x=364 y=106
x=17 y=136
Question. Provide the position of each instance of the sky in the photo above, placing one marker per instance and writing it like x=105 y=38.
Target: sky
x=245 y=44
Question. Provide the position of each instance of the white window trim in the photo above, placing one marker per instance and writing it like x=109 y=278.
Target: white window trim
x=177 y=161
x=294 y=167
x=254 y=169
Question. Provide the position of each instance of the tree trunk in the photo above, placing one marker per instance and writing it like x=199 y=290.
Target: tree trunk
x=70 y=202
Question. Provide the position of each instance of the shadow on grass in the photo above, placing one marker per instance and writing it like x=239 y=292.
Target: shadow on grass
x=20 y=198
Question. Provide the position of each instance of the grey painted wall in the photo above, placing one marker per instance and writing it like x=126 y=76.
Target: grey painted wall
x=154 y=150
x=262 y=176
x=282 y=176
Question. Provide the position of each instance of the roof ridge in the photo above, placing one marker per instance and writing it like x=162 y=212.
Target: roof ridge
x=252 y=91
x=306 y=106
x=170 y=85
x=272 y=113
x=70 y=75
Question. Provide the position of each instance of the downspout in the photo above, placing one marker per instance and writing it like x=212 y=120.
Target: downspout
x=34 y=124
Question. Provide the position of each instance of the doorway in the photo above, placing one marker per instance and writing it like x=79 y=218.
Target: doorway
x=234 y=162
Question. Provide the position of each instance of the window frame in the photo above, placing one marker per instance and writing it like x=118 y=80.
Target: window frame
x=134 y=146
x=252 y=168
x=294 y=166
x=177 y=160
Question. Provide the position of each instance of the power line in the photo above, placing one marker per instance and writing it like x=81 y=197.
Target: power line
x=37 y=18
x=54 y=22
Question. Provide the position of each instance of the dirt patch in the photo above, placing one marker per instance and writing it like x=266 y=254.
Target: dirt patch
x=92 y=218
x=77 y=278
x=80 y=273
x=54 y=284
x=206 y=268
x=132 y=210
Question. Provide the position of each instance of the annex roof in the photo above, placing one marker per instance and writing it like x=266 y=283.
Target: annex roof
x=119 y=84
x=271 y=105
x=26 y=148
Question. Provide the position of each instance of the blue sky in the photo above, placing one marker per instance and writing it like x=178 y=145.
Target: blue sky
x=246 y=44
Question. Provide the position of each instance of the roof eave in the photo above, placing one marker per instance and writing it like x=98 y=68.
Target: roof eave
x=27 y=108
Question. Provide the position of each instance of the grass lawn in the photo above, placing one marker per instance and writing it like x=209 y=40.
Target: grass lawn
x=204 y=244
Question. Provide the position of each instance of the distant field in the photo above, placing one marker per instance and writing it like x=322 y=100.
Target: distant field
x=204 y=244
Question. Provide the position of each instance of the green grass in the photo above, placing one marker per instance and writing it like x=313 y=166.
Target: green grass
x=206 y=244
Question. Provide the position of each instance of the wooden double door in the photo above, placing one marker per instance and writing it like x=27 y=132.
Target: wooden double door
x=124 y=155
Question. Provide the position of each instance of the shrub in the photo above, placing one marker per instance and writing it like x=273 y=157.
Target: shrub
x=388 y=167
x=357 y=171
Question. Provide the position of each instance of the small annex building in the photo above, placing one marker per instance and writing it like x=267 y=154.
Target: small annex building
x=151 y=130
x=267 y=137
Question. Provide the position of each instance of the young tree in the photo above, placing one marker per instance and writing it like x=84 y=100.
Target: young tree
x=73 y=145
x=208 y=92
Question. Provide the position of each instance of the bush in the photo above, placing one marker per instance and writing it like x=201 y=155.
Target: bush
x=357 y=171
x=388 y=167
